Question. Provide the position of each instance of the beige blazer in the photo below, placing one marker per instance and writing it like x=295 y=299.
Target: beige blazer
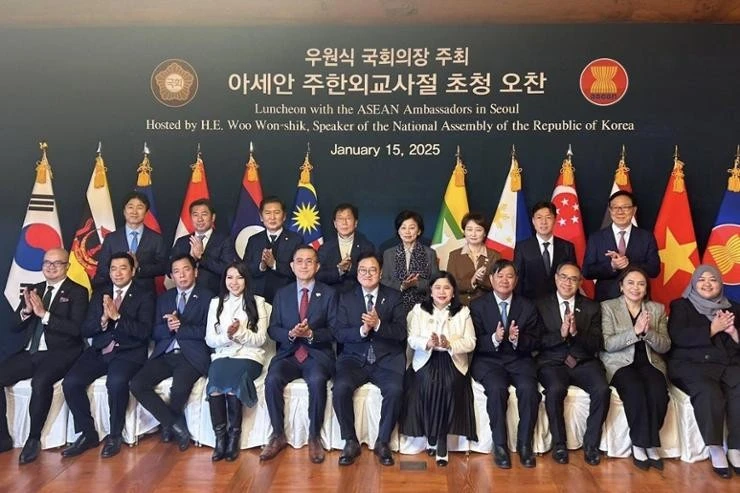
x=457 y=329
x=619 y=335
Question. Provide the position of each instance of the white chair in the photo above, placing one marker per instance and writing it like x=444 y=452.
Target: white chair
x=54 y=433
x=366 y=402
x=691 y=442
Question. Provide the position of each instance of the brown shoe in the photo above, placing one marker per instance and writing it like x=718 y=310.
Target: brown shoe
x=273 y=447
x=316 y=450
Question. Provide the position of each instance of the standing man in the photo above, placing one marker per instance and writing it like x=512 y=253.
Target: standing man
x=614 y=248
x=145 y=245
x=339 y=255
x=506 y=332
x=212 y=250
x=269 y=253
x=302 y=320
x=371 y=323
x=50 y=316
x=119 y=321
x=569 y=355
x=180 y=350
x=537 y=257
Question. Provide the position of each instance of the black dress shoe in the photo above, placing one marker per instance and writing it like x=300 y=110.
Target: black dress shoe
x=736 y=469
x=643 y=465
x=431 y=452
x=30 y=451
x=166 y=434
x=84 y=442
x=181 y=434
x=592 y=456
x=6 y=444
x=526 y=456
x=501 y=457
x=656 y=463
x=442 y=462
x=350 y=452
x=383 y=451
x=560 y=454
x=722 y=472
x=111 y=447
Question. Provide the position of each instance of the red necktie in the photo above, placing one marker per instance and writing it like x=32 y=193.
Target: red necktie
x=622 y=246
x=302 y=353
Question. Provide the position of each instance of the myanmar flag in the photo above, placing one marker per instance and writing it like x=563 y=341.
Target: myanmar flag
x=448 y=235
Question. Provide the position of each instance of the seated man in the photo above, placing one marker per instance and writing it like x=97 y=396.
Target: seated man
x=371 y=323
x=211 y=248
x=302 y=320
x=119 y=321
x=51 y=315
x=506 y=329
x=569 y=355
x=180 y=350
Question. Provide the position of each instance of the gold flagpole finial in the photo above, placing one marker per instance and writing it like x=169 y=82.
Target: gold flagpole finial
x=623 y=154
x=567 y=169
x=252 y=165
x=675 y=153
x=197 y=167
x=516 y=172
x=733 y=183
x=513 y=151
x=144 y=178
x=678 y=175
x=100 y=148
x=306 y=167
x=198 y=154
x=621 y=175
x=460 y=169
x=99 y=180
x=43 y=169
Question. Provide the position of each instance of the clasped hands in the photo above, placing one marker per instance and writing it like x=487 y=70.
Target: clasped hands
x=268 y=259
x=513 y=332
x=724 y=321
x=643 y=324
x=110 y=312
x=409 y=281
x=568 y=327
x=301 y=329
x=618 y=261
x=33 y=303
x=438 y=341
x=370 y=321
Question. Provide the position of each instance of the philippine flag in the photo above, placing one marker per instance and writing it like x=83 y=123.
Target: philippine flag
x=40 y=233
x=511 y=222
x=247 y=220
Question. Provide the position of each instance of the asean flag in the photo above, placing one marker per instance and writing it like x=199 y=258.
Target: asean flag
x=247 y=219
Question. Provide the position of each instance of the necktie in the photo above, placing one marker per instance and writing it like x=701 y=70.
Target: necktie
x=39 y=329
x=181 y=303
x=504 y=314
x=570 y=361
x=118 y=299
x=370 y=351
x=273 y=238
x=622 y=246
x=134 y=241
x=302 y=353
x=567 y=309
x=546 y=257
x=201 y=237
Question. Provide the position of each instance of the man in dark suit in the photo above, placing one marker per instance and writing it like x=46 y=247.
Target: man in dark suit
x=212 y=249
x=571 y=339
x=146 y=246
x=371 y=323
x=180 y=350
x=537 y=257
x=270 y=252
x=119 y=321
x=50 y=316
x=339 y=255
x=506 y=331
x=303 y=318
x=614 y=248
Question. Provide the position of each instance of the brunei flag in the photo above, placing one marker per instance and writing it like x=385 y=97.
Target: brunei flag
x=448 y=235
x=40 y=233
x=305 y=219
x=621 y=182
x=247 y=220
x=144 y=185
x=723 y=247
x=510 y=223
x=97 y=221
x=674 y=233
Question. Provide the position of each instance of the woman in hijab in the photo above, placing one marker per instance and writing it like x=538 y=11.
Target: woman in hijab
x=705 y=363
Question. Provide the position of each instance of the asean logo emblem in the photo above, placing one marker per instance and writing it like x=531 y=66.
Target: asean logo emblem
x=174 y=83
x=604 y=82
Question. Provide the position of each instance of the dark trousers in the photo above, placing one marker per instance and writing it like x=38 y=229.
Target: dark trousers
x=44 y=368
x=644 y=392
x=284 y=371
x=714 y=400
x=91 y=365
x=184 y=376
x=352 y=374
x=496 y=384
x=587 y=375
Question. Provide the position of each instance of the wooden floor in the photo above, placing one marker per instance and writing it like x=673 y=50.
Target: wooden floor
x=156 y=467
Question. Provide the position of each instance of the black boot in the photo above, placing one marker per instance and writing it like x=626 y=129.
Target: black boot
x=217 y=404
x=234 y=412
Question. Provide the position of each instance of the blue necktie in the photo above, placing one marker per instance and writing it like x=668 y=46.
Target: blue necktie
x=134 y=241
x=504 y=314
x=181 y=303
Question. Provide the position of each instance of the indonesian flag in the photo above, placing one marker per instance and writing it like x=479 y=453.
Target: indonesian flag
x=621 y=182
x=448 y=235
x=510 y=223
x=247 y=220
x=40 y=233
x=97 y=221
x=674 y=233
x=144 y=185
x=568 y=221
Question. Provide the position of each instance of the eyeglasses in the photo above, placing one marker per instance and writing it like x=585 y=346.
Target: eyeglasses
x=570 y=279
x=56 y=264
x=622 y=208
x=369 y=271
x=307 y=261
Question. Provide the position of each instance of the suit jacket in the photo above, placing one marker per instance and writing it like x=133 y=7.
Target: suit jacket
x=151 y=256
x=458 y=329
x=66 y=314
x=131 y=332
x=191 y=336
x=219 y=253
x=486 y=315
x=322 y=318
x=693 y=349
x=584 y=346
x=329 y=257
x=620 y=338
x=534 y=282
x=389 y=341
x=268 y=282
x=642 y=251
x=462 y=269
x=389 y=270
